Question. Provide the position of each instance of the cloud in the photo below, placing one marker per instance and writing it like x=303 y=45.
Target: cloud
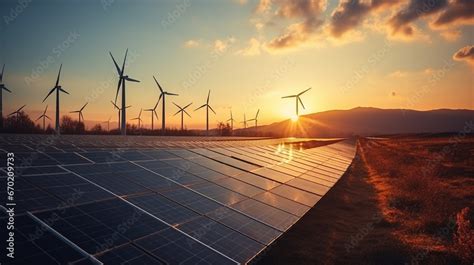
x=401 y=22
x=253 y=48
x=191 y=43
x=222 y=45
x=458 y=12
x=350 y=13
x=307 y=11
x=465 y=54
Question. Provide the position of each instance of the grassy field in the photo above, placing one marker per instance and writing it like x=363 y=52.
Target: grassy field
x=404 y=200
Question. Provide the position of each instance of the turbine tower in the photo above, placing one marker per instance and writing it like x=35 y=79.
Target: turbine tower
x=139 y=118
x=255 y=119
x=182 y=110
x=231 y=121
x=118 y=110
x=57 y=88
x=207 y=111
x=153 y=113
x=162 y=95
x=44 y=116
x=108 y=123
x=2 y=87
x=244 y=122
x=17 y=112
x=298 y=99
x=122 y=80
x=80 y=112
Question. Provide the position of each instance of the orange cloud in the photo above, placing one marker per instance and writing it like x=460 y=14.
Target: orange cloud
x=465 y=54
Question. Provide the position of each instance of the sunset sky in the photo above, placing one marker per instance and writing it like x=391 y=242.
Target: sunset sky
x=378 y=53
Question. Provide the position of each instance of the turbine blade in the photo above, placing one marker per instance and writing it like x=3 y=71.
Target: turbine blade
x=59 y=74
x=123 y=65
x=208 y=94
x=299 y=99
x=115 y=105
x=118 y=89
x=201 y=107
x=187 y=105
x=156 y=81
x=84 y=106
x=115 y=63
x=133 y=80
x=1 y=75
x=75 y=111
x=4 y=87
x=177 y=105
x=46 y=109
x=187 y=113
x=52 y=90
x=211 y=109
x=64 y=91
x=47 y=117
x=39 y=117
x=258 y=111
x=156 y=115
x=171 y=94
x=82 y=116
x=177 y=112
x=292 y=96
x=304 y=92
x=139 y=115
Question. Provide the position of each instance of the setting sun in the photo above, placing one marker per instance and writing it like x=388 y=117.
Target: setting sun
x=294 y=118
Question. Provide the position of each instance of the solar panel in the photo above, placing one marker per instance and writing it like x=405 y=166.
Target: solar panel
x=184 y=200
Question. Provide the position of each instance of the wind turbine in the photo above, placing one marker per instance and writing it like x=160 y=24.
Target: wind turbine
x=256 y=118
x=139 y=118
x=162 y=95
x=182 y=110
x=44 y=116
x=298 y=99
x=122 y=80
x=118 y=110
x=244 y=122
x=153 y=113
x=2 y=87
x=17 y=112
x=58 y=88
x=231 y=121
x=207 y=111
x=108 y=123
x=80 y=112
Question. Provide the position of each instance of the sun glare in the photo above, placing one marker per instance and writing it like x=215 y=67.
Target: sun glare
x=294 y=118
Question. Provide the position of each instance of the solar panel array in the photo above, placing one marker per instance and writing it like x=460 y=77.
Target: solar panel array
x=83 y=201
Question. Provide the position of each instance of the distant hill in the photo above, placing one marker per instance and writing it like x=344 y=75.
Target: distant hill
x=369 y=121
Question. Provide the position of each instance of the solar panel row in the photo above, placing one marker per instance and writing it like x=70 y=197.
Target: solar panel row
x=218 y=204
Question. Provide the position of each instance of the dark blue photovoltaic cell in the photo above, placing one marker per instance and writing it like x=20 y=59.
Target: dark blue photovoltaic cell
x=103 y=157
x=68 y=158
x=69 y=187
x=218 y=193
x=36 y=245
x=245 y=225
x=174 y=247
x=192 y=200
x=127 y=254
x=267 y=214
x=96 y=227
x=163 y=208
x=28 y=197
x=282 y=203
x=233 y=244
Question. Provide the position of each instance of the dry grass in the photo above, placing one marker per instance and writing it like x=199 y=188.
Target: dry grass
x=422 y=183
